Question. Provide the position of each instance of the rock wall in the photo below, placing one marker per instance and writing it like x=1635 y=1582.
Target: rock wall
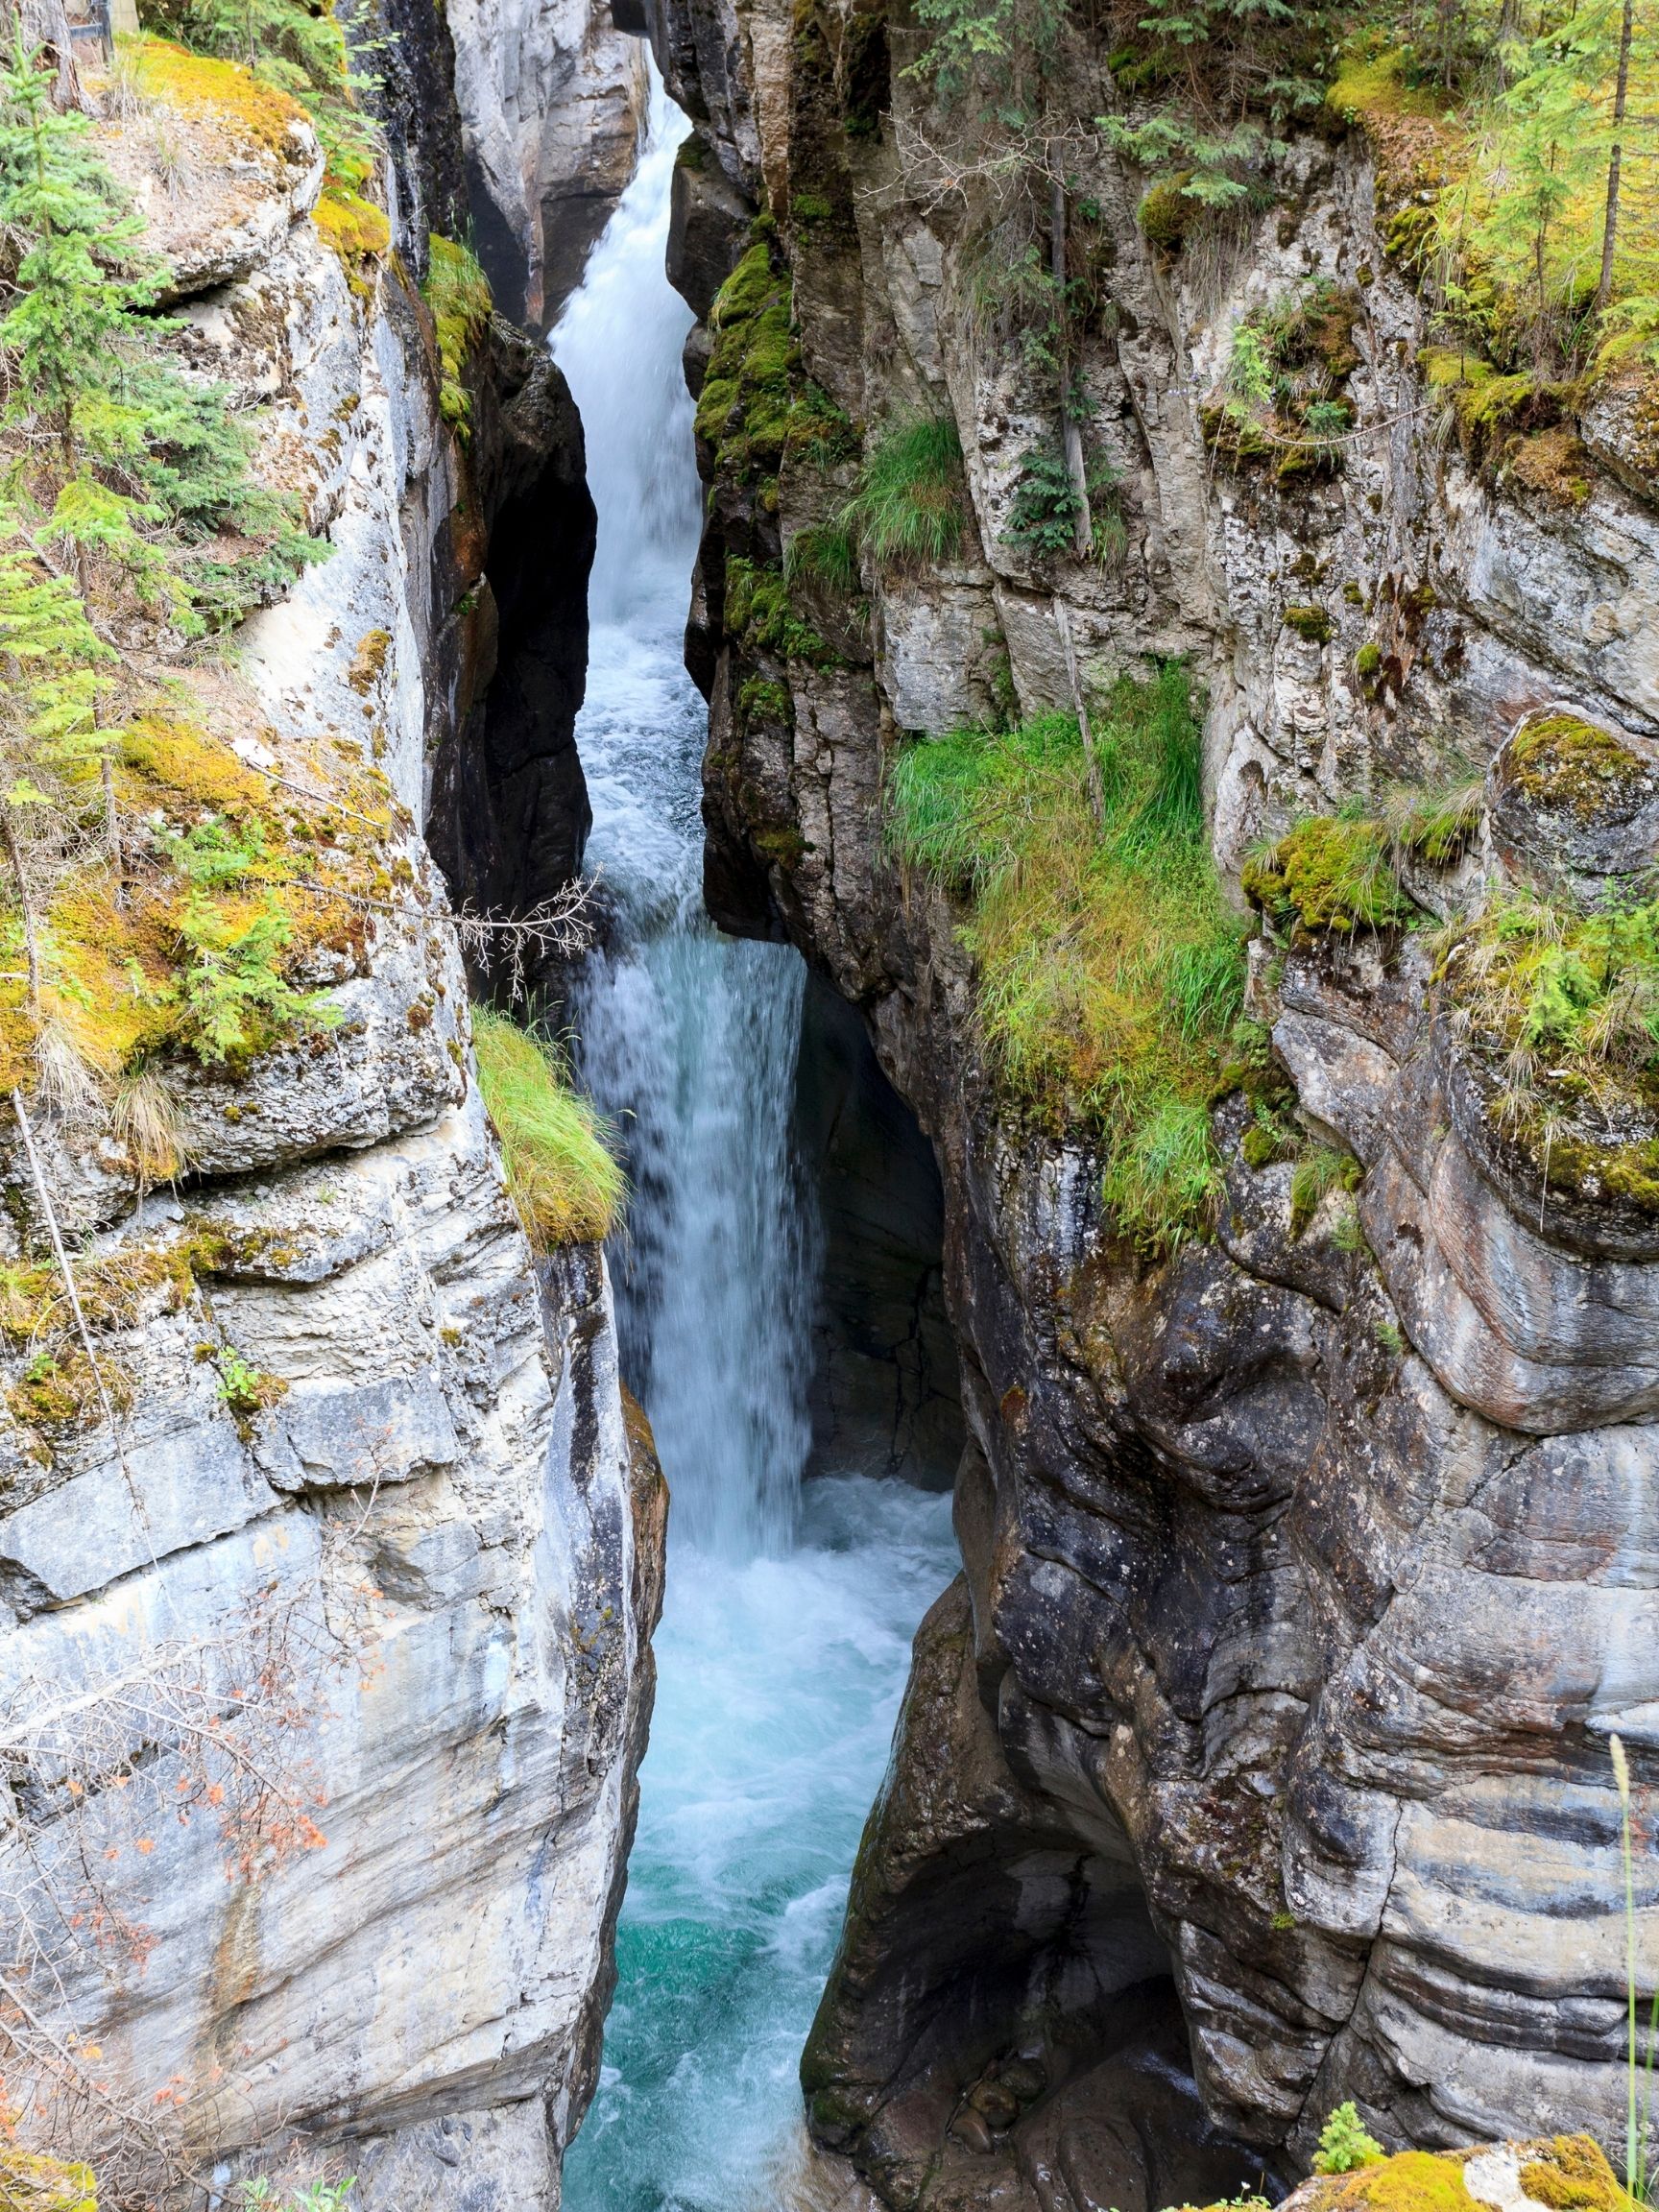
x=1304 y=1573
x=324 y=1616
x=552 y=99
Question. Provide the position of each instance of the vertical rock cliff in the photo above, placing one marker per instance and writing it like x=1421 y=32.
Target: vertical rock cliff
x=329 y=1548
x=1308 y=1564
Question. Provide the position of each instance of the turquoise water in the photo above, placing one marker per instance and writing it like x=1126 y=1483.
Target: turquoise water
x=784 y=1642
x=780 y=1681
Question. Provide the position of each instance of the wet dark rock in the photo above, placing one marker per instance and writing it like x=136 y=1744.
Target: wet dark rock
x=510 y=813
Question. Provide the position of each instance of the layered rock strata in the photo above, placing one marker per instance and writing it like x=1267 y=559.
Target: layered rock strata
x=1307 y=1569
x=325 y=1592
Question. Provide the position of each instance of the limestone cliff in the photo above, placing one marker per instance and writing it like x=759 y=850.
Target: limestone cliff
x=328 y=1553
x=1306 y=1567
x=552 y=98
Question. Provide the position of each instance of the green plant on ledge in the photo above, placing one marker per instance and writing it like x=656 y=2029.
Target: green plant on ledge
x=1344 y=2143
x=458 y=293
x=564 y=1182
x=908 y=509
x=1109 y=970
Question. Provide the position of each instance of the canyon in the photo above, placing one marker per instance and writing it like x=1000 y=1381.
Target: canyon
x=1253 y=1752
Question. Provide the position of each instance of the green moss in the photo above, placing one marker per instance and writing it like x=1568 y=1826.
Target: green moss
x=783 y=848
x=761 y=616
x=1108 y=968
x=744 y=407
x=564 y=1182
x=760 y=700
x=30 y=2182
x=1368 y=661
x=1370 y=87
x=1564 y=761
x=1310 y=622
x=1329 y=873
x=1167 y=214
x=1316 y=1174
x=1571 y=2174
x=457 y=291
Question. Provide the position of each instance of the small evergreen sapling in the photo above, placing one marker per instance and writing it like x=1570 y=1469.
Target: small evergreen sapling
x=1344 y=2145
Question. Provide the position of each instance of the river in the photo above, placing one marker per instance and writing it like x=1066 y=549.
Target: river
x=785 y=1634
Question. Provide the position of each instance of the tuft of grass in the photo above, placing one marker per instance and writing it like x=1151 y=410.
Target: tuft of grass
x=458 y=293
x=1110 y=969
x=564 y=1182
x=1314 y=1176
x=824 y=554
x=907 y=509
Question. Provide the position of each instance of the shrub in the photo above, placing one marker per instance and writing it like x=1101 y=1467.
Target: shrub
x=907 y=509
x=1344 y=2146
x=1109 y=969
x=564 y=1182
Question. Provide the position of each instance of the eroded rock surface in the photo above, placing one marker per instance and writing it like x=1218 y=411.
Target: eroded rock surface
x=1308 y=1568
x=323 y=1668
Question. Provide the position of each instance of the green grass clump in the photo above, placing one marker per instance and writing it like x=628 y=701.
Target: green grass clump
x=1108 y=967
x=458 y=293
x=907 y=509
x=1331 y=871
x=564 y=1184
x=1563 y=1008
x=824 y=554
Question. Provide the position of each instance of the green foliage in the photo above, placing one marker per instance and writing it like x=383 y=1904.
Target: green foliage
x=1344 y=2146
x=246 y=1389
x=761 y=617
x=1042 y=518
x=1212 y=86
x=1316 y=1175
x=998 y=49
x=562 y=1176
x=259 y=2195
x=1329 y=872
x=234 y=999
x=824 y=554
x=744 y=408
x=139 y=468
x=908 y=509
x=1284 y=396
x=299 y=50
x=458 y=293
x=1109 y=970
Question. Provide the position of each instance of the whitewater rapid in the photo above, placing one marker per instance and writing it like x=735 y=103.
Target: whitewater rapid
x=784 y=1641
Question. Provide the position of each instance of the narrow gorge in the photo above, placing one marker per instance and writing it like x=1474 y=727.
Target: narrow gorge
x=829 y=1310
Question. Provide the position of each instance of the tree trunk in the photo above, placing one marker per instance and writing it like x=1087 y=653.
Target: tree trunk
x=46 y=29
x=1610 y=224
x=1096 y=791
x=1070 y=430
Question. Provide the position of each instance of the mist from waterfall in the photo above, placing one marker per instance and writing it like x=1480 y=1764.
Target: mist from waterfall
x=785 y=1640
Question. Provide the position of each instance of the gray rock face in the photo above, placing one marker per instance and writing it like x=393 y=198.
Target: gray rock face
x=1309 y=1569
x=323 y=1669
x=552 y=99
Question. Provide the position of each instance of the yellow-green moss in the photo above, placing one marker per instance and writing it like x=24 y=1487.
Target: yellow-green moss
x=458 y=293
x=357 y=231
x=1572 y=2174
x=195 y=85
x=1329 y=873
x=30 y=2182
x=1563 y=761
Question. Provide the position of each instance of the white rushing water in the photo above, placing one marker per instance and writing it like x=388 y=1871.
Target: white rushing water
x=785 y=1639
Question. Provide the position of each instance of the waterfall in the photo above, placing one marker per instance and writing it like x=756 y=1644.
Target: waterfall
x=785 y=1639
x=687 y=1038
